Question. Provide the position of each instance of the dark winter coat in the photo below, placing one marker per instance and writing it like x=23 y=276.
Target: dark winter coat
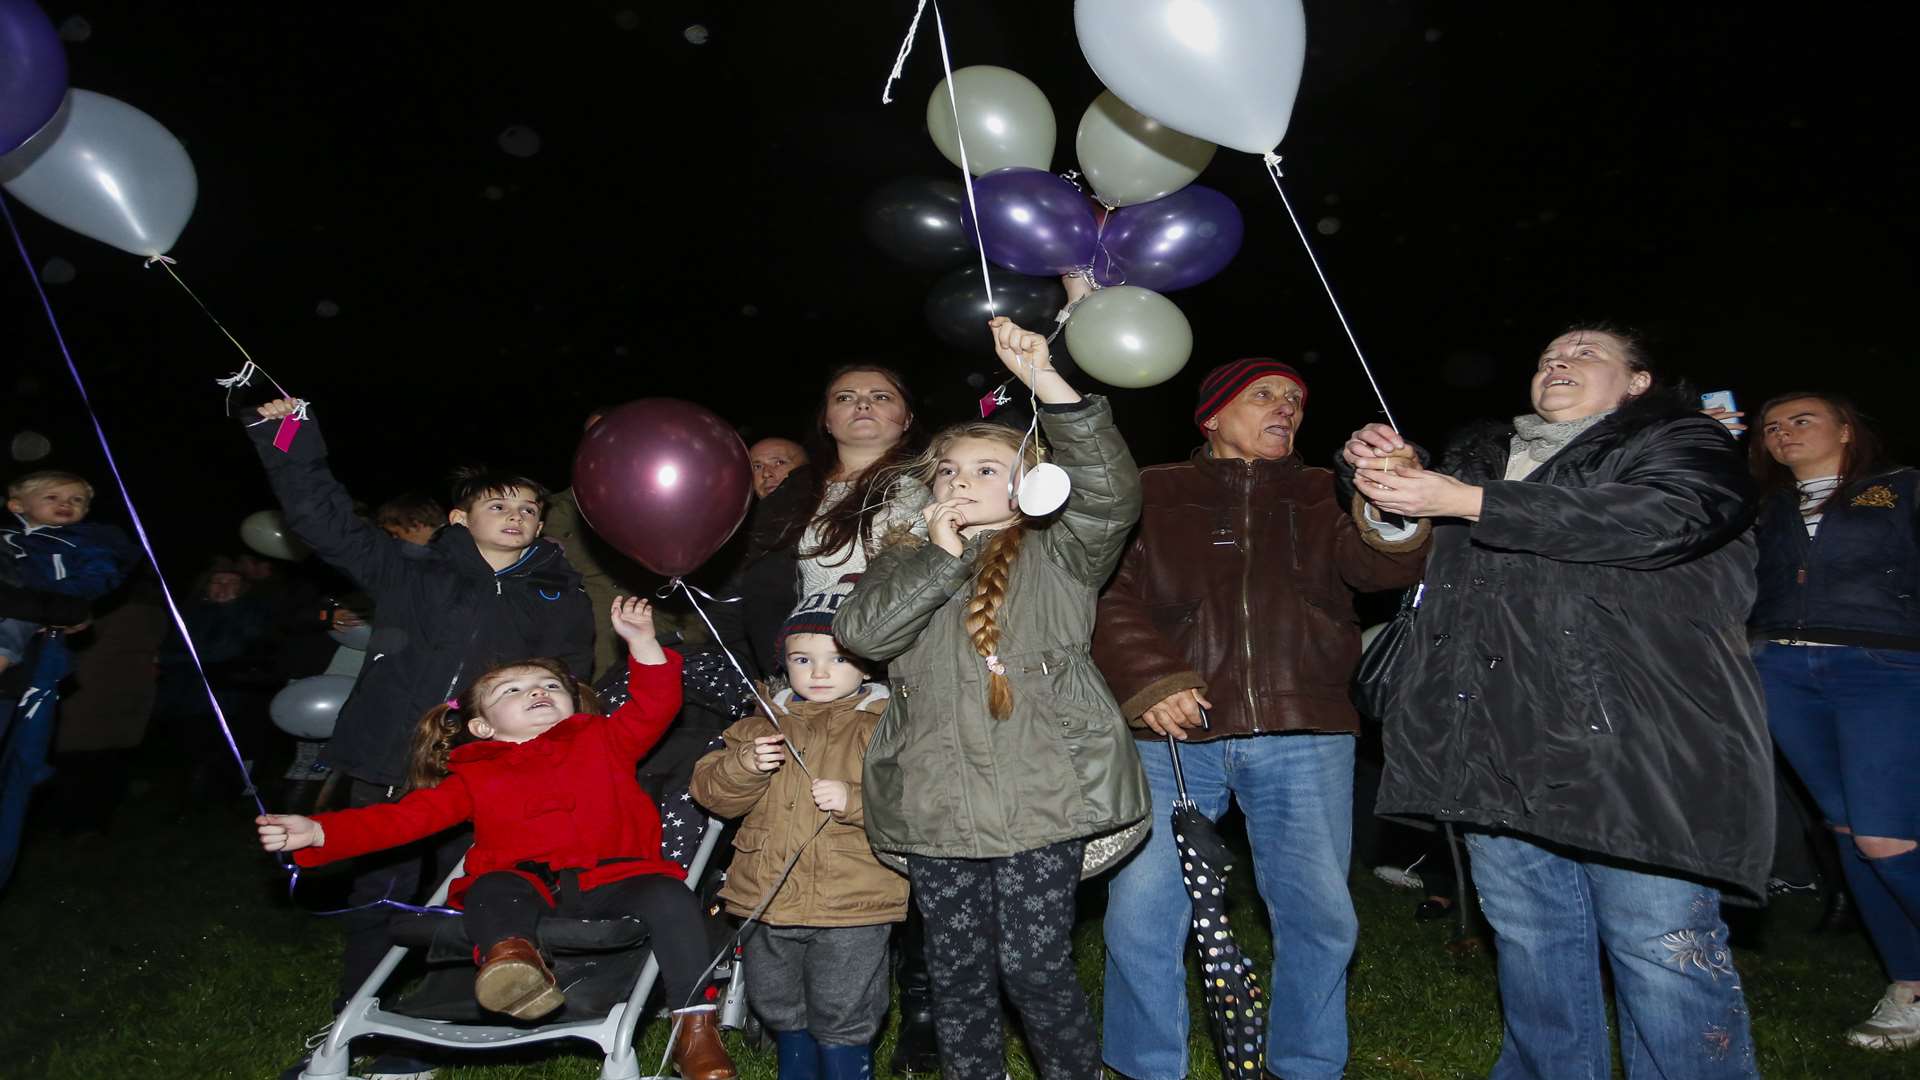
x=87 y=559
x=442 y=615
x=1855 y=583
x=1580 y=672
x=565 y=800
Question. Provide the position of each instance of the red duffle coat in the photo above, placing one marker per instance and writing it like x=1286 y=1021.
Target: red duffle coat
x=567 y=798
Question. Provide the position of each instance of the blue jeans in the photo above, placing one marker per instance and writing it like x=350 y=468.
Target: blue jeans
x=1675 y=990
x=1297 y=794
x=1844 y=719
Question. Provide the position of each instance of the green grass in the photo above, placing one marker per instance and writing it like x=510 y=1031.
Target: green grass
x=166 y=951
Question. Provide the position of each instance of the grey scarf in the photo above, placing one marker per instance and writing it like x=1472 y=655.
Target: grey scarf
x=1541 y=439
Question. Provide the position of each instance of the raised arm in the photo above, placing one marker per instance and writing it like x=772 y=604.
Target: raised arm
x=317 y=506
x=1103 y=505
x=653 y=681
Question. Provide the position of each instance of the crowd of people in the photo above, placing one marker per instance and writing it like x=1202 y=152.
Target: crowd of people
x=1619 y=612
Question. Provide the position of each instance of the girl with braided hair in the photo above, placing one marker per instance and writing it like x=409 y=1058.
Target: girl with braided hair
x=561 y=828
x=1003 y=767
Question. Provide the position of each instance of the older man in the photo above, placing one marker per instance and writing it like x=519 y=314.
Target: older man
x=771 y=459
x=1230 y=628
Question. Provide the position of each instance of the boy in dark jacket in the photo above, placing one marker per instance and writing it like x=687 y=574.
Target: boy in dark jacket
x=51 y=547
x=486 y=590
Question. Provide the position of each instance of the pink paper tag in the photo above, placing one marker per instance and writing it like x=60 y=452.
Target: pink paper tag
x=283 y=439
x=991 y=401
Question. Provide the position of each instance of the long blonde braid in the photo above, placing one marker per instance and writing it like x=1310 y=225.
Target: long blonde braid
x=983 y=611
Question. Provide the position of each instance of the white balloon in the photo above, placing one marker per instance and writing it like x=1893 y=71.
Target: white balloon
x=307 y=708
x=1004 y=119
x=1132 y=158
x=30 y=446
x=1221 y=70
x=109 y=171
x=352 y=637
x=520 y=141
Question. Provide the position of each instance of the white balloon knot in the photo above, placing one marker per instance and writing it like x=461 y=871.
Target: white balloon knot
x=151 y=259
x=1273 y=162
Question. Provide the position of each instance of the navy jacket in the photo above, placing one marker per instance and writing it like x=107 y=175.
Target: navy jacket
x=1858 y=581
x=441 y=613
x=87 y=559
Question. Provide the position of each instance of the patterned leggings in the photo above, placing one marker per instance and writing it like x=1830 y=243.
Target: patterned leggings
x=1006 y=923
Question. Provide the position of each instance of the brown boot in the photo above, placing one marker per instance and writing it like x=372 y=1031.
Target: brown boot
x=697 y=1052
x=514 y=980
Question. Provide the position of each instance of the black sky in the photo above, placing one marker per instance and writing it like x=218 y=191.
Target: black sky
x=1736 y=179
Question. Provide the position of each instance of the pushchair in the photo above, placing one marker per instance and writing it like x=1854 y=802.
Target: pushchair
x=603 y=964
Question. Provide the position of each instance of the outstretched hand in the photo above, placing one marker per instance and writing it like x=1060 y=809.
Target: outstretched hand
x=1414 y=492
x=289 y=832
x=632 y=619
x=279 y=407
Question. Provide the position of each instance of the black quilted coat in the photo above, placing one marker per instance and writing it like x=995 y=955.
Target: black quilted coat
x=1580 y=672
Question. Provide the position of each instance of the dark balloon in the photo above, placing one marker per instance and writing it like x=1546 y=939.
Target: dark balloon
x=920 y=222
x=1171 y=243
x=33 y=72
x=957 y=307
x=1034 y=222
x=664 y=481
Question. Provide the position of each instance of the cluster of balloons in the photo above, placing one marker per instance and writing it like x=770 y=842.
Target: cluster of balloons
x=1184 y=77
x=307 y=708
x=84 y=160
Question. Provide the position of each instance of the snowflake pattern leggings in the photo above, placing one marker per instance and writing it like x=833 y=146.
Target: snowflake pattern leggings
x=1006 y=924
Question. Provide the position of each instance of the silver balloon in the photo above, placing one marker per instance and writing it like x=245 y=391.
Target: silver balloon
x=1129 y=337
x=957 y=308
x=306 y=708
x=30 y=446
x=1132 y=158
x=109 y=171
x=920 y=222
x=1006 y=120
x=266 y=532
x=352 y=637
x=1221 y=70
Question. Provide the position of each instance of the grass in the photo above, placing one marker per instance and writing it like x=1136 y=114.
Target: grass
x=167 y=951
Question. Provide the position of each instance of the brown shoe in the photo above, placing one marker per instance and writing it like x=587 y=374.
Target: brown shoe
x=514 y=980
x=697 y=1052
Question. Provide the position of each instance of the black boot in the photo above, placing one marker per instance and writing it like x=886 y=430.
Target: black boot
x=917 y=1050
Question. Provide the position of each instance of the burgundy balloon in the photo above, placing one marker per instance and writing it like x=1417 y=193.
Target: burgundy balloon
x=1033 y=222
x=1171 y=243
x=664 y=481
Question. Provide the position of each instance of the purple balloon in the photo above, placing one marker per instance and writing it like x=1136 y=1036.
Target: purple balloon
x=664 y=481
x=1033 y=222
x=33 y=72
x=1170 y=243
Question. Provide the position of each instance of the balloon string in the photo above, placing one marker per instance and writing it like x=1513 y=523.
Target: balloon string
x=239 y=379
x=133 y=513
x=966 y=174
x=900 y=61
x=1273 y=171
x=773 y=716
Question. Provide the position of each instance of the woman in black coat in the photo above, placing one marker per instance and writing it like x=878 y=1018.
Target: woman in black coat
x=1579 y=696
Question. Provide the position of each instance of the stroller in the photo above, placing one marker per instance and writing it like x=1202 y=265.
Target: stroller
x=602 y=964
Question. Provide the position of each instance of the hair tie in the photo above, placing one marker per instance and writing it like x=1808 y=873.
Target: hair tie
x=453 y=705
x=994 y=665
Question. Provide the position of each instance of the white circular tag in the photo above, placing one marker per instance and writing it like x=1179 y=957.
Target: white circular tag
x=1043 y=490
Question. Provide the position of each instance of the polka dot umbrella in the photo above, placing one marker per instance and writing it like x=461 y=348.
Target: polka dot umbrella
x=1236 y=1008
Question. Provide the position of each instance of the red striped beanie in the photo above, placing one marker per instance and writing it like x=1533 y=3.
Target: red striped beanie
x=1225 y=382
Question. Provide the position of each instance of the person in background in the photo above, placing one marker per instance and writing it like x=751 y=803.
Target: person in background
x=772 y=459
x=1578 y=697
x=413 y=517
x=1230 y=627
x=49 y=546
x=1836 y=634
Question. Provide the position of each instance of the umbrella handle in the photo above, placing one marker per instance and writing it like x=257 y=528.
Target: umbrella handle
x=1179 y=775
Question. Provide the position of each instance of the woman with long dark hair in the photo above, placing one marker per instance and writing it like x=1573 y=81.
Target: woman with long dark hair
x=1836 y=634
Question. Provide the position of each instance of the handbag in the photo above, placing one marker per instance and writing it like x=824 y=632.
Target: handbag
x=1380 y=667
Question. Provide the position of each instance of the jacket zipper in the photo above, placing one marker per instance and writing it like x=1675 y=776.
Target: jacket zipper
x=1246 y=592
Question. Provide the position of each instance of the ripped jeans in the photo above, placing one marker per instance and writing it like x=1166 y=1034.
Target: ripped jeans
x=1675 y=989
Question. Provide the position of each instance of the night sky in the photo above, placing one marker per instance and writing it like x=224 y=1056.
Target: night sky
x=1734 y=180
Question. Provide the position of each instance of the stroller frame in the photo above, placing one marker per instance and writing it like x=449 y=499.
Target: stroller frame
x=362 y=1016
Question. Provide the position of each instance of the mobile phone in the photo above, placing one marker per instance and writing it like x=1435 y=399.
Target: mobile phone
x=1720 y=399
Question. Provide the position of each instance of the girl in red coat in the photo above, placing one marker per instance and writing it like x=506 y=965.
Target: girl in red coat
x=560 y=827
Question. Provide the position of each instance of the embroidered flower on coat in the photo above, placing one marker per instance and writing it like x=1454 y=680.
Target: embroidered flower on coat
x=1879 y=496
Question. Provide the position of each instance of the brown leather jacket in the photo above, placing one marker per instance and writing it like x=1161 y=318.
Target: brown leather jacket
x=1240 y=581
